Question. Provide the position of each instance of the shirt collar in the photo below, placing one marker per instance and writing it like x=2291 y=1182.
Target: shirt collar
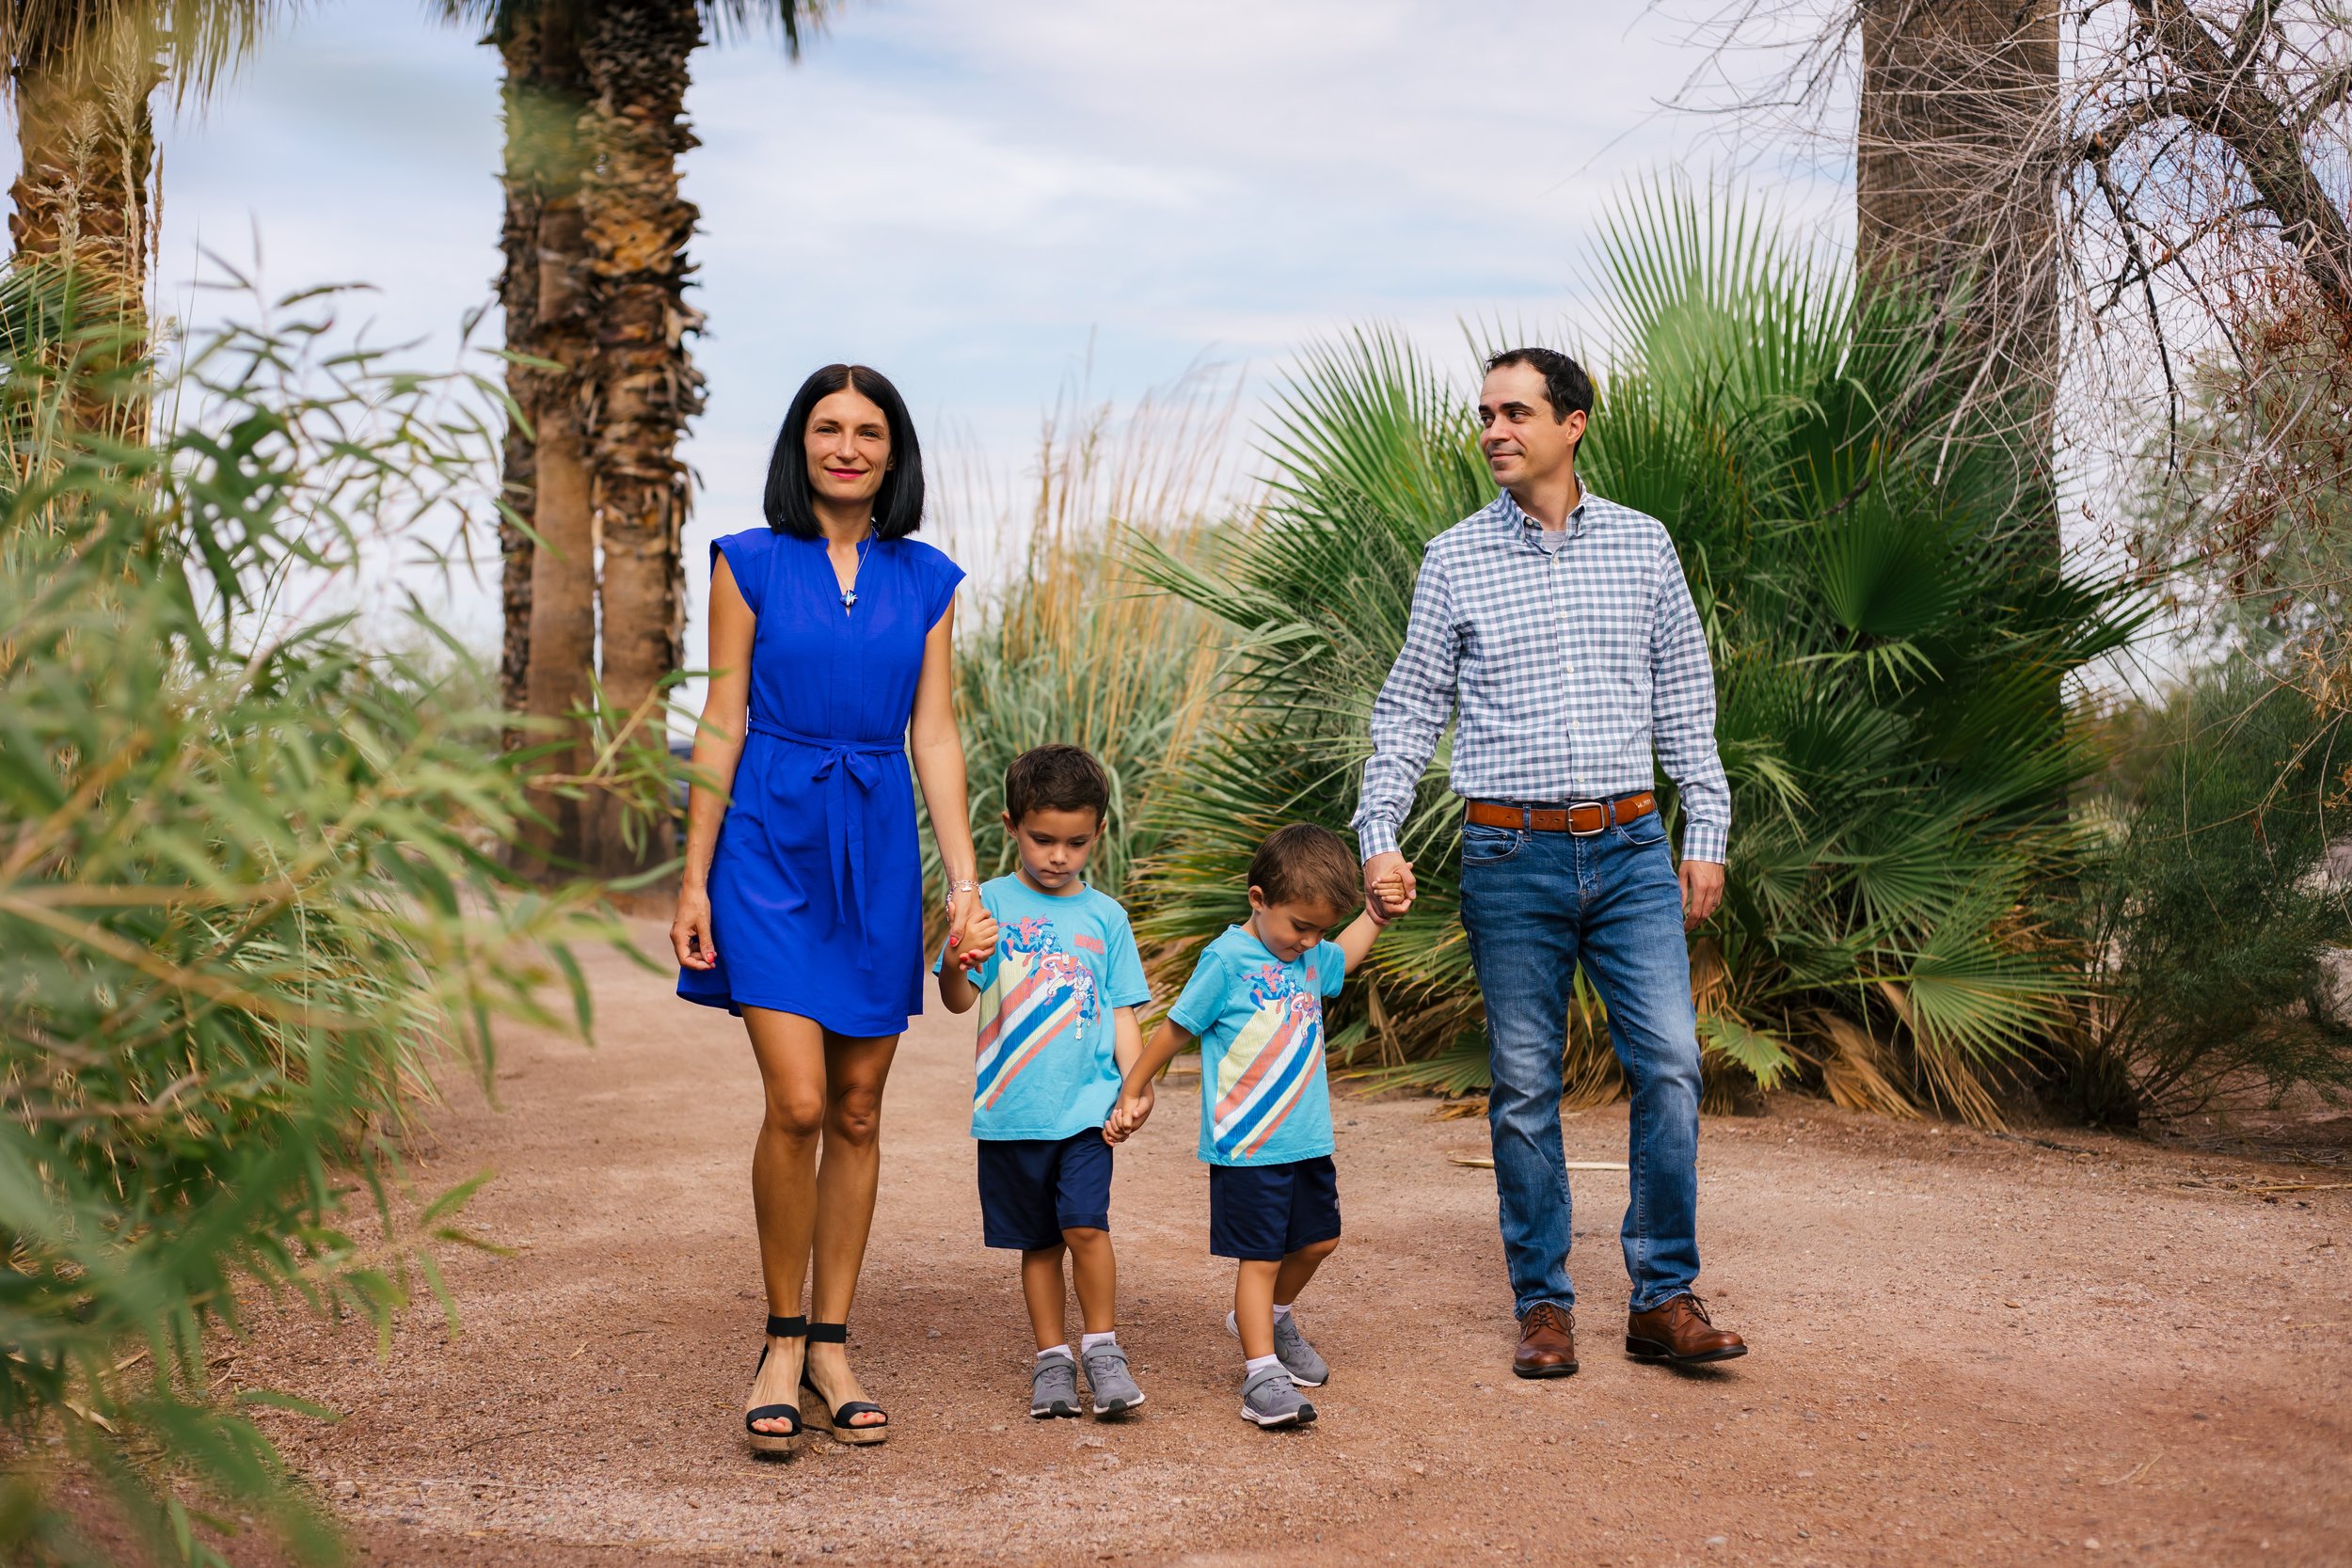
x=1523 y=528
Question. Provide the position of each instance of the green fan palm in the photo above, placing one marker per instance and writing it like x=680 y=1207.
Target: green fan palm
x=1887 y=627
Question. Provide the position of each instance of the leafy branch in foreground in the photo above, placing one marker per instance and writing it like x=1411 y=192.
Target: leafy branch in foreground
x=251 y=894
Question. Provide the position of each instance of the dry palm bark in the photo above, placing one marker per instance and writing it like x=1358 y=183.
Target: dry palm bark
x=636 y=228
x=549 y=296
x=86 y=136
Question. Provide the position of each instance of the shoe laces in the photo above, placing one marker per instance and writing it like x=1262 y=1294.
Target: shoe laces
x=1544 y=1314
x=1692 y=1304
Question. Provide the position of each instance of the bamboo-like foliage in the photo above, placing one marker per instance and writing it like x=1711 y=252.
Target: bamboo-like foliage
x=249 y=896
x=1887 y=628
x=1075 y=648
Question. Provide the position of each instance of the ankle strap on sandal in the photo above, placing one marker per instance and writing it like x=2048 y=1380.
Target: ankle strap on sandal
x=829 y=1334
x=786 y=1328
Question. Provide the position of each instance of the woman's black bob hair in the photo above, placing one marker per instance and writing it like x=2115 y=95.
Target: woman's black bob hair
x=897 y=505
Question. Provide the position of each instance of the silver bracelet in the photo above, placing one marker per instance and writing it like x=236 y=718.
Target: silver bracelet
x=956 y=885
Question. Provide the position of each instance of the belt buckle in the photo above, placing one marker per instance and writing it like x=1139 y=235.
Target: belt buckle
x=1607 y=817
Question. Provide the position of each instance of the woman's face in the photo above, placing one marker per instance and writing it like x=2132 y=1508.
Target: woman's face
x=848 y=448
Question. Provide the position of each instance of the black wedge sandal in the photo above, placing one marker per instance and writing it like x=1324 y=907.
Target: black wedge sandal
x=775 y=1442
x=837 y=1421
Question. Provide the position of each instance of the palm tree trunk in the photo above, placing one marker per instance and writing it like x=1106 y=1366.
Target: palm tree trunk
x=638 y=225
x=86 y=136
x=548 y=294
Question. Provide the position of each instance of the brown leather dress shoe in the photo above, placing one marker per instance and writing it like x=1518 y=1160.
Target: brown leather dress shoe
x=1547 y=1342
x=1679 y=1333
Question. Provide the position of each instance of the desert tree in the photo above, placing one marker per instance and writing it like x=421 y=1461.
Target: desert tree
x=2114 y=183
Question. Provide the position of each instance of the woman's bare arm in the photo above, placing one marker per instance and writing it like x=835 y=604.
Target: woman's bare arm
x=718 y=747
x=937 y=747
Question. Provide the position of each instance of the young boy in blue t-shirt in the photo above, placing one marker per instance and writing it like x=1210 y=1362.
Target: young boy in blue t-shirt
x=1057 y=1005
x=1255 y=1003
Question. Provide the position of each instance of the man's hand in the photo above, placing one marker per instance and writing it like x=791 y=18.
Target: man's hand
x=1382 y=875
x=1702 y=892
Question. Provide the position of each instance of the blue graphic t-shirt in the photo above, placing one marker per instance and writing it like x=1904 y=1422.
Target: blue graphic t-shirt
x=1263 y=1100
x=1046 y=1064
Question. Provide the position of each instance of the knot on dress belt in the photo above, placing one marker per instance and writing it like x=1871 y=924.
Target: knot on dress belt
x=844 y=763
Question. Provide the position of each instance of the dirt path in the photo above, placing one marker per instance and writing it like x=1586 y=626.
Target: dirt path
x=1967 y=1350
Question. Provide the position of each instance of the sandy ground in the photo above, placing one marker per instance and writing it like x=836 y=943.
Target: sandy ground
x=1965 y=1350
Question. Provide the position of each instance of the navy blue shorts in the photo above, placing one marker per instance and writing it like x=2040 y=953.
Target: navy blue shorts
x=1034 y=1189
x=1264 y=1212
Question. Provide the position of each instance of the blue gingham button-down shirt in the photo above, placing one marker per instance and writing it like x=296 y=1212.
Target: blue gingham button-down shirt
x=1567 y=667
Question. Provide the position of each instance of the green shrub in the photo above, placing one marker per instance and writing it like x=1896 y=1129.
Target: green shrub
x=2211 y=913
x=250 y=895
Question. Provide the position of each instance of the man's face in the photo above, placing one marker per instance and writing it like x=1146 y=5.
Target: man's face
x=1523 y=443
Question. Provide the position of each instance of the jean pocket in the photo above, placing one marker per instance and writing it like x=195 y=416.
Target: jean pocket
x=1484 y=846
x=1644 y=831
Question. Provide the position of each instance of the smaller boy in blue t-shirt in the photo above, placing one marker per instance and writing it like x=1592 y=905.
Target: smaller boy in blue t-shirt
x=1057 y=1005
x=1255 y=1003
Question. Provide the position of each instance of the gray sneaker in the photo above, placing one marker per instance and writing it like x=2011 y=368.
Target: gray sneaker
x=1054 y=1387
x=1272 y=1399
x=1115 y=1392
x=1299 y=1360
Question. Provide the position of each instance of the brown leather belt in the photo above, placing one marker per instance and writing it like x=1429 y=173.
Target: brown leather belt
x=1582 y=819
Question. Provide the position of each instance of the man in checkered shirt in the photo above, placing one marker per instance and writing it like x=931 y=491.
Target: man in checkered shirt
x=1555 y=627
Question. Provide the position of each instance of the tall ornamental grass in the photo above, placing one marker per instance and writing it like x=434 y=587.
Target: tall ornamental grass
x=1890 y=630
x=251 y=896
x=1071 y=645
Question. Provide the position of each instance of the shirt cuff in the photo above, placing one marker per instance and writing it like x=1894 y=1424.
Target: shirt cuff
x=1375 y=835
x=1704 y=841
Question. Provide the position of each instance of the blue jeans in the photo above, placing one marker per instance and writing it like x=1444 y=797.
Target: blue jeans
x=1536 y=904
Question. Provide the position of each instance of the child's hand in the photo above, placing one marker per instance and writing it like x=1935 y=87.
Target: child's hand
x=1395 y=896
x=980 y=939
x=1133 y=1110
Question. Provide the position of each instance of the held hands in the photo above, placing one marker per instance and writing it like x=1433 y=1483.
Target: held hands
x=970 y=931
x=1133 y=1110
x=1390 y=888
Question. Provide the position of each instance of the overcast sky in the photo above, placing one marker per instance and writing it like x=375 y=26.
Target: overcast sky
x=989 y=200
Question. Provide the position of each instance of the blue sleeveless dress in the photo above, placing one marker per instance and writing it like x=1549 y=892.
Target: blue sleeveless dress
x=817 y=885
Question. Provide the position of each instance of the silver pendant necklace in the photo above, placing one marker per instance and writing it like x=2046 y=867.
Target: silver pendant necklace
x=849 y=594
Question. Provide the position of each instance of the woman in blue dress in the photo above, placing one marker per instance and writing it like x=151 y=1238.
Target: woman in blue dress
x=802 y=909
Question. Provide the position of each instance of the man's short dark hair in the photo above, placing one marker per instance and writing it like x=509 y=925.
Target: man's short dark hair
x=1304 y=863
x=1057 y=778
x=1565 y=385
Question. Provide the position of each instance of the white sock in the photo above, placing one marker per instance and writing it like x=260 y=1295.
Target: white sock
x=1088 y=1341
x=1280 y=1311
x=1257 y=1364
x=1062 y=1350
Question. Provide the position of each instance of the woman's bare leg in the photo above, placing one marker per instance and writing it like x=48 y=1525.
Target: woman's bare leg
x=790 y=1051
x=856 y=1071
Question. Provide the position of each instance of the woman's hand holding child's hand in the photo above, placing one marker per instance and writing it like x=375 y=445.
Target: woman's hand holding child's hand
x=971 y=932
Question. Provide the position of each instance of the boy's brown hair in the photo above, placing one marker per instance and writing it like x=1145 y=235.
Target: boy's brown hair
x=1057 y=778
x=1303 y=864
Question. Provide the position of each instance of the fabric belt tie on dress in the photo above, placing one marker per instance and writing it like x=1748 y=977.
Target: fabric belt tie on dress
x=846 y=762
